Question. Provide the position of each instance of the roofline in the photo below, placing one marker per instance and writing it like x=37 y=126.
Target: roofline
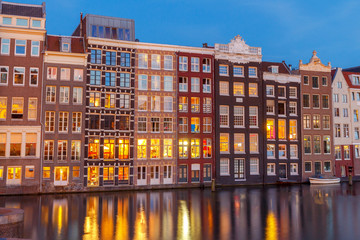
x=54 y=35
x=94 y=15
x=23 y=4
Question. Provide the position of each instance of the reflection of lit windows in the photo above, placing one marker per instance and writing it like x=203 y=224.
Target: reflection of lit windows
x=155 y=148
x=168 y=148
x=195 y=148
x=207 y=148
x=141 y=148
x=183 y=125
x=109 y=148
x=239 y=142
x=270 y=129
x=30 y=147
x=224 y=142
x=253 y=90
x=183 y=147
x=94 y=148
x=17 y=108
x=316 y=121
x=124 y=148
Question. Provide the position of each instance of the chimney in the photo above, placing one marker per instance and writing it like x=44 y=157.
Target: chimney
x=81 y=20
x=205 y=45
x=290 y=67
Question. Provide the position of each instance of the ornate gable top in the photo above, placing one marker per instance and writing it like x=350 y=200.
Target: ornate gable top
x=315 y=64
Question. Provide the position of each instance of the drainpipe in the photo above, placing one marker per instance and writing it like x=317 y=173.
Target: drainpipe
x=41 y=119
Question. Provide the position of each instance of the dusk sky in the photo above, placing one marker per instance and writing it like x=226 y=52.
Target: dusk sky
x=285 y=29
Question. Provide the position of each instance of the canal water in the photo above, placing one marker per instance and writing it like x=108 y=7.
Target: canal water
x=264 y=212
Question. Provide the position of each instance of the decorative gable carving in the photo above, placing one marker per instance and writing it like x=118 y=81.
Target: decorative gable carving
x=315 y=64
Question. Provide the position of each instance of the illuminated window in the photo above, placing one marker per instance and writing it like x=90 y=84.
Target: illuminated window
x=224 y=88
x=168 y=122
x=46 y=172
x=108 y=173
x=19 y=76
x=195 y=105
x=224 y=116
x=282 y=129
x=195 y=148
x=224 y=142
x=124 y=173
x=63 y=121
x=109 y=148
x=254 y=143
x=76 y=122
x=64 y=94
x=94 y=100
x=62 y=150
x=95 y=77
x=183 y=104
x=253 y=116
x=239 y=142
x=155 y=103
x=110 y=100
x=307 y=144
x=183 y=124
x=76 y=172
x=316 y=121
x=124 y=146
x=65 y=74
x=195 y=64
x=141 y=148
x=49 y=121
x=48 y=150
x=195 y=125
x=29 y=172
x=30 y=147
x=32 y=108
x=270 y=129
x=270 y=150
x=238 y=116
x=238 y=89
x=94 y=148
x=142 y=103
x=183 y=148
x=206 y=85
x=34 y=76
x=142 y=122
x=155 y=148
x=168 y=153
x=207 y=124
x=75 y=150
x=306 y=121
x=346 y=152
x=292 y=129
x=50 y=94
x=142 y=60
x=183 y=84
x=183 y=63
x=3 y=107
x=253 y=90
x=93 y=176
x=207 y=148
x=326 y=144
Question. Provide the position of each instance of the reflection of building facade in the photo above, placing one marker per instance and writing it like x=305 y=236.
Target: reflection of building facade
x=63 y=112
x=155 y=111
x=346 y=97
x=109 y=101
x=317 y=155
x=22 y=40
x=239 y=105
x=283 y=123
x=195 y=115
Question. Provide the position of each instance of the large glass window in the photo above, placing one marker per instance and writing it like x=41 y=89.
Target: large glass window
x=19 y=76
x=141 y=148
x=224 y=143
x=110 y=79
x=238 y=116
x=95 y=77
x=155 y=61
x=195 y=148
x=195 y=125
x=30 y=147
x=75 y=150
x=20 y=47
x=239 y=143
x=94 y=148
x=168 y=148
x=207 y=148
x=195 y=104
x=183 y=148
x=254 y=143
x=155 y=83
x=62 y=150
x=109 y=148
x=270 y=129
x=224 y=116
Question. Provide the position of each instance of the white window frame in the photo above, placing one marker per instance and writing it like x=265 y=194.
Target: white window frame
x=35 y=45
x=17 y=43
x=3 y=44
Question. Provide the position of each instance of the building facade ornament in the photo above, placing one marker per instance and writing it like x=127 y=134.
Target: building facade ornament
x=314 y=64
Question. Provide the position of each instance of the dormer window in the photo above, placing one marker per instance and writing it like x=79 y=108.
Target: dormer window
x=274 y=69
x=356 y=80
x=66 y=47
x=6 y=20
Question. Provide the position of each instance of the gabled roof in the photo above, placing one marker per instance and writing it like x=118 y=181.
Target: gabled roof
x=283 y=68
x=353 y=69
x=53 y=43
x=347 y=76
x=19 y=9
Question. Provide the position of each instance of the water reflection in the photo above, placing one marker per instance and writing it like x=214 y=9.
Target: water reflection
x=272 y=213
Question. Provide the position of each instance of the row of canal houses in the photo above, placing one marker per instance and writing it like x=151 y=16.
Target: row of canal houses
x=100 y=110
